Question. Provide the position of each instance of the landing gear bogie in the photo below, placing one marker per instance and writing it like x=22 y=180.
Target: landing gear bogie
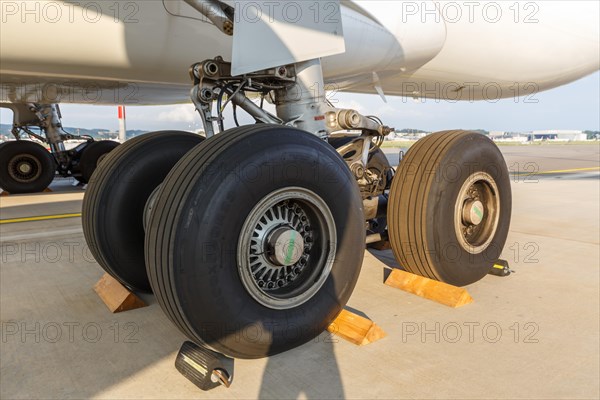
x=253 y=240
x=79 y=162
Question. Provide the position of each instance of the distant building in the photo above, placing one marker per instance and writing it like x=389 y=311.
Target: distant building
x=558 y=135
x=516 y=137
x=406 y=135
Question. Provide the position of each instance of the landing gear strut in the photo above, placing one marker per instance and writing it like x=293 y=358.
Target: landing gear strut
x=35 y=171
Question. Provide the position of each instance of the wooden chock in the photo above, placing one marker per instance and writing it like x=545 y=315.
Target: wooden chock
x=116 y=296
x=47 y=190
x=382 y=245
x=356 y=329
x=440 y=292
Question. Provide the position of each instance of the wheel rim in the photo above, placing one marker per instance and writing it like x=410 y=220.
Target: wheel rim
x=24 y=168
x=477 y=212
x=149 y=205
x=286 y=248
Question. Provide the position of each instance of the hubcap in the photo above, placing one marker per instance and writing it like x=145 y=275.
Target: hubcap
x=473 y=212
x=477 y=212
x=286 y=248
x=24 y=168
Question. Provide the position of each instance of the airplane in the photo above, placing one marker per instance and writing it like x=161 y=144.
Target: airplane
x=252 y=238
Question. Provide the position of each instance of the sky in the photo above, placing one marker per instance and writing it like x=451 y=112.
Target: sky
x=573 y=106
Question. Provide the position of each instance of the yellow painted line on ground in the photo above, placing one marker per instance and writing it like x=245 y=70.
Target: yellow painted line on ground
x=39 y=218
x=75 y=215
x=564 y=171
x=558 y=171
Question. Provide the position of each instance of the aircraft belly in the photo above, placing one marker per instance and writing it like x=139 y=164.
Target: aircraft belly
x=145 y=52
x=487 y=60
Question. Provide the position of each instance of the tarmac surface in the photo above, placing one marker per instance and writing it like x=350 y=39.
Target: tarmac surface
x=533 y=334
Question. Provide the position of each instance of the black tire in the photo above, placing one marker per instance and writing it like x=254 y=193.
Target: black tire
x=194 y=230
x=114 y=202
x=92 y=155
x=25 y=167
x=425 y=215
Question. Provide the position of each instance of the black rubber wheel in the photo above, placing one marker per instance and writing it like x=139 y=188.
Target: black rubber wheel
x=449 y=207
x=25 y=167
x=115 y=199
x=91 y=157
x=195 y=240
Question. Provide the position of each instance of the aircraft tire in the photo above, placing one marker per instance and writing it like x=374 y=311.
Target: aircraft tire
x=25 y=167
x=116 y=196
x=217 y=223
x=91 y=157
x=449 y=207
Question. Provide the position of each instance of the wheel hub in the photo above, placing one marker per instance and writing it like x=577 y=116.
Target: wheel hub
x=477 y=212
x=286 y=246
x=24 y=168
x=278 y=253
x=473 y=212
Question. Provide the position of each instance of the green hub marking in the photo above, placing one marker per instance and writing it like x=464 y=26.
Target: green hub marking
x=290 y=250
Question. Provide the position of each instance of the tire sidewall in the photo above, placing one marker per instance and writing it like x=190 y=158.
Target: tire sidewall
x=90 y=156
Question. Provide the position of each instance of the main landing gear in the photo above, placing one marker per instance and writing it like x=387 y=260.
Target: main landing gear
x=253 y=239
x=28 y=167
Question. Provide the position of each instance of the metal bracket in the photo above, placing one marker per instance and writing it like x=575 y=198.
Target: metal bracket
x=356 y=155
x=298 y=104
x=344 y=119
x=213 y=80
x=204 y=107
